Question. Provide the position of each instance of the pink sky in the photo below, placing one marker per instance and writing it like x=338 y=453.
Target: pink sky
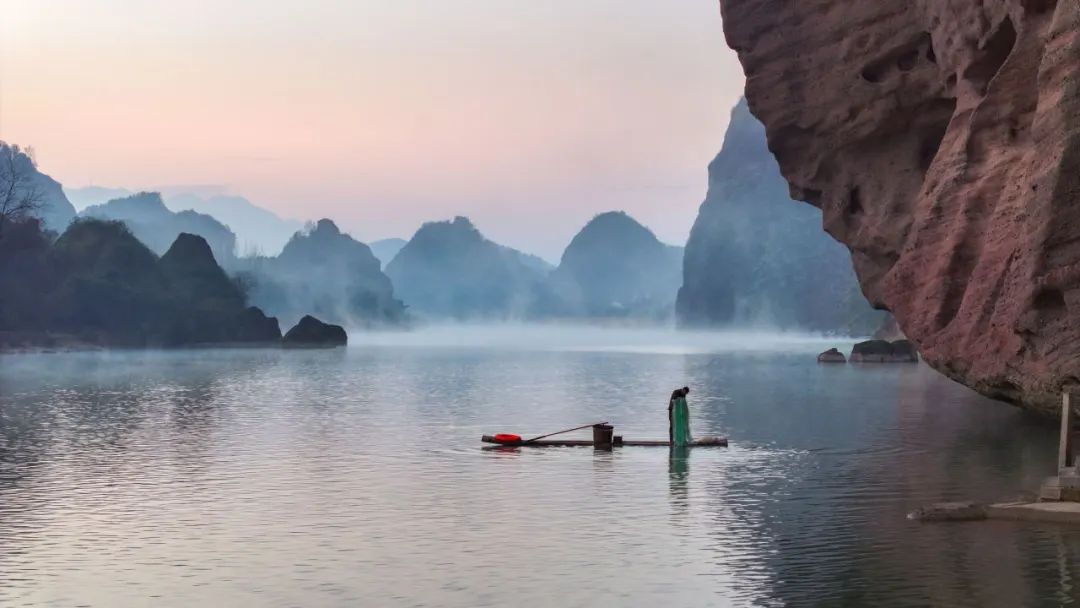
x=529 y=117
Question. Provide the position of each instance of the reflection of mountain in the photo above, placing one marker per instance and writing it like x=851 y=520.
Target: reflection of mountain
x=158 y=227
x=386 y=249
x=756 y=256
x=616 y=267
x=448 y=269
x=325 y=273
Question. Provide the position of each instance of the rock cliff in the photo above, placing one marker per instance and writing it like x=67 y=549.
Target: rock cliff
x=941 y=140
x=755 y=257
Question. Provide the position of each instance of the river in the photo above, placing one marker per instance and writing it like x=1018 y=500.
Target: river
x=355 y=477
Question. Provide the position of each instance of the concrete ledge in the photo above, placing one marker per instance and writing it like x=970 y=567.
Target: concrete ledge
x=1056 y=512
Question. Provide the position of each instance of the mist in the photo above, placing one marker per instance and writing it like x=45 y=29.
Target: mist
x=593 y=337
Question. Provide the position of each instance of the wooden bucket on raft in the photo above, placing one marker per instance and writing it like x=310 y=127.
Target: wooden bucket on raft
x=603 y=436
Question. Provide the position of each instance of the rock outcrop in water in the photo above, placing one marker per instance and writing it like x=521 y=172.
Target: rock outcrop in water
x=615 y=267
x=883 y=351
x=325 y=272
x=832 y=355
x=158 y=227
x=448 y=269
x=757 y=257
x=313 y=333
x=941 y=140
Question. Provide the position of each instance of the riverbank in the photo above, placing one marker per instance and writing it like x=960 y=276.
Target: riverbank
x=24 y=342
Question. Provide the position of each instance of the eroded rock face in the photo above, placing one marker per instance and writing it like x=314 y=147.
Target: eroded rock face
x=941 y=139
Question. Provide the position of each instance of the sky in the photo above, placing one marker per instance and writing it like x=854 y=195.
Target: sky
x=527 y=116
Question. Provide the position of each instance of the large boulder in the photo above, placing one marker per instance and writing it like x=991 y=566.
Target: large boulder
x=313 y=333
x=941 y=140
x=883 y=351
x=832 y=355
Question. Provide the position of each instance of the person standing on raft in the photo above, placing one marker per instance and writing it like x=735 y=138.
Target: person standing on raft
x=679 y=418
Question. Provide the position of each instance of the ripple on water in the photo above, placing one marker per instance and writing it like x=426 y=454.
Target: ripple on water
x=356 y=478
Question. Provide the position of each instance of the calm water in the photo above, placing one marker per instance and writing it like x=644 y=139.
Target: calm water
x=356 y=478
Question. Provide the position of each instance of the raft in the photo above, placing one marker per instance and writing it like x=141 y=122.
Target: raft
x=704 y=442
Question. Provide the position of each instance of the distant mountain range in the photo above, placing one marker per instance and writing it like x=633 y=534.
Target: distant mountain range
x=325 y=272
x=754 y=257
x=258 y=231
x=157 y=227
x=614 y=267
x=386 y=249
x=449 y=269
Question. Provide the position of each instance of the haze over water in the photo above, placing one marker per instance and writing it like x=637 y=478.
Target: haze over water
x=356 y=477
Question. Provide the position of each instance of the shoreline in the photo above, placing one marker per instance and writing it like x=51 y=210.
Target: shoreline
x=36 y=344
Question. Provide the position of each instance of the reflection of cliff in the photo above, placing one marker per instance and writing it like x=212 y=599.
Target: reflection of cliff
x=756 y=256
x=939 y=139
x=819 y=481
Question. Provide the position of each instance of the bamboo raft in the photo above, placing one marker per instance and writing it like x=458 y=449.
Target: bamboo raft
x=719 y=442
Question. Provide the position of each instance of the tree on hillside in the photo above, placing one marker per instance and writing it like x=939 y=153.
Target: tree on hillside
x=20 y=196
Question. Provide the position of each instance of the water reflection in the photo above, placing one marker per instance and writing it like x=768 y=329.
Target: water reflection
x=678 y=478
x=355 y=477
